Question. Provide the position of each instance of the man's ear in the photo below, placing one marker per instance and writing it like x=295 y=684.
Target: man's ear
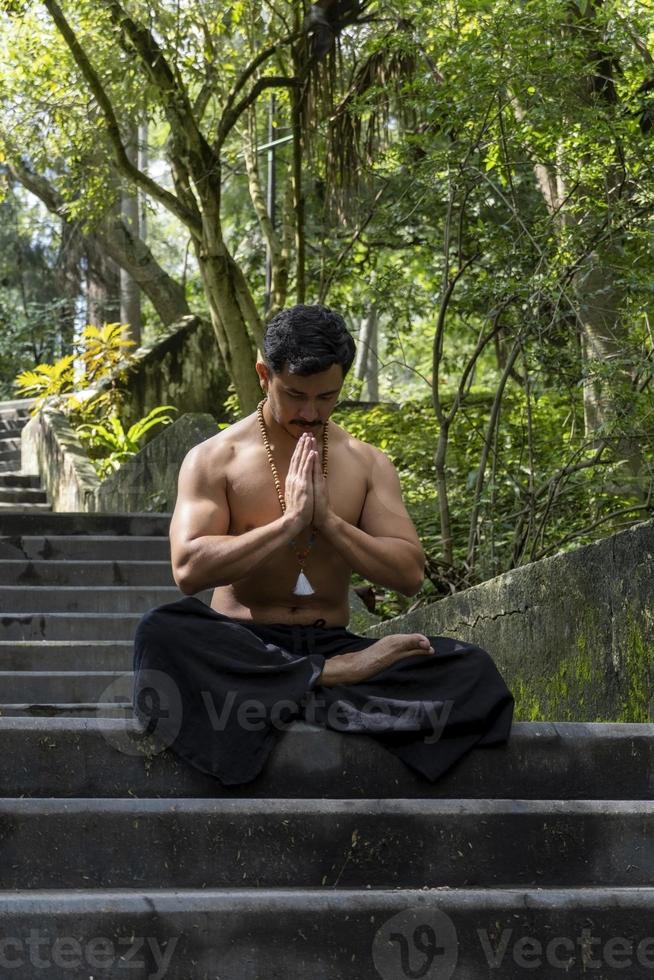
x=262 y=371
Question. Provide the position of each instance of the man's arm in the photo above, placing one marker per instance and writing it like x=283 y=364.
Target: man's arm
x=203 y=554
x=385 y=547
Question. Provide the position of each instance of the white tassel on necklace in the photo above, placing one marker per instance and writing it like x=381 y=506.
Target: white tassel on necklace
x=303 y=585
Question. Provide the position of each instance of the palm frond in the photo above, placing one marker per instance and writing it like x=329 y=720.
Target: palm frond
x=155 y=417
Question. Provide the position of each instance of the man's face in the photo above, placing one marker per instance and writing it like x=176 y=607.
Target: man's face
x=302 y=403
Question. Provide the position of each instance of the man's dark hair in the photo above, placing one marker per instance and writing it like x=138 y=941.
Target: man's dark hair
x=309 y=339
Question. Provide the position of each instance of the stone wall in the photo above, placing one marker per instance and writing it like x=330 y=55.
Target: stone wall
x=148 y=481
x=573 y=634
x=51 y=449
x=183 y=369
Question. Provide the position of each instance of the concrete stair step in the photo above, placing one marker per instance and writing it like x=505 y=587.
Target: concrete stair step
x=229 y=843
x=89 y=573
x=16 y=406
x=9 y=462
x=10 y=429
x=9 y=442
x=92 y=547
x=103 y=757
x=13 y=422
x=22 y=495
x=68 y=625
x=18 y=508
x=115 y=599
x=18 y=479
x=62 y=709
x=27 y=655
x=52 y=686
x=330 y=933
x=96 y=524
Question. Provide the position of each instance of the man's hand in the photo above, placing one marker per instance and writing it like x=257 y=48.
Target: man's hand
x=299 y=485
x=321 y=508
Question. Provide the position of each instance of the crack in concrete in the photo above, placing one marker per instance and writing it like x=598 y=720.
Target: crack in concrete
x=483 y=616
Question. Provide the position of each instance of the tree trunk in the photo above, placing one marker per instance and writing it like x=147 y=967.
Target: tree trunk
x=68 y=276
x=143 y=163
x=604 y=339
x=102 y=286
x=130 y=294
x=365 y=366
x=277 y=262
x=372 y=369
x=166 y=294
x=233 y=313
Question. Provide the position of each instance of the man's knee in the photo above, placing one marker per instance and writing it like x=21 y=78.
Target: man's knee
x=153 y=626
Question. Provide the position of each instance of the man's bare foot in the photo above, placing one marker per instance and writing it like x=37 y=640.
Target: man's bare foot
x=352 y=668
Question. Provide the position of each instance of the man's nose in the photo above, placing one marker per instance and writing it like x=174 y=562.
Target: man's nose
x=308 y=412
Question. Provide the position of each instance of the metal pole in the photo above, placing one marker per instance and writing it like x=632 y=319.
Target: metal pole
x=272 y=193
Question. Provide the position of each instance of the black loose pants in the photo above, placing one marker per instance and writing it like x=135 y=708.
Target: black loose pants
x=219 y=691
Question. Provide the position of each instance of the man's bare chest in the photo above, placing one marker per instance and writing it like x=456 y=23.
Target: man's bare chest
x=253 y=499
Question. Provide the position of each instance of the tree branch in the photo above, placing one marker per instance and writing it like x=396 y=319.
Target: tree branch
x=176 y=102
x=112 y=236
x=326 y=285
x=113 y=129
x=230 y=117
x=250 y=69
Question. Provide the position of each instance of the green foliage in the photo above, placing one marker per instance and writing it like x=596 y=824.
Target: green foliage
x=48 y=381
x=103 y=350
x=97 y=357
x=559 y=521
x=101 y=354
x=110 y=445
x=34 y=315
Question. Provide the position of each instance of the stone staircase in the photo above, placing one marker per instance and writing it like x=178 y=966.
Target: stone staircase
x=338 y=862
x=18 y=491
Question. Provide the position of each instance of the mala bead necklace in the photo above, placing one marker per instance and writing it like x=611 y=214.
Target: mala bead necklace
x=303 y=585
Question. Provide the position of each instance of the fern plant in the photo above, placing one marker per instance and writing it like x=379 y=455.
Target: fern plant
x=103 y=350
x=99 y=355
x=52 y=381
x=111 y=445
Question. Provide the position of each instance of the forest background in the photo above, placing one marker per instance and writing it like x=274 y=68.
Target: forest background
x=470 y=182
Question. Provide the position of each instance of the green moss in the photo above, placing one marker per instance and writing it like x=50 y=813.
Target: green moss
x=580 y=689
x=527 y=704
x=569 y=693
x=637 y=674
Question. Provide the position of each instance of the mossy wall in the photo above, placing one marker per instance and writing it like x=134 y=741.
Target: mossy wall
x=572 y=634
x=183 y=369
x=148 y=481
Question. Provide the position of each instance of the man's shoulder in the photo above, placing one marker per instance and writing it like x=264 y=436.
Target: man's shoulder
x=219 y=449
x=363 y=453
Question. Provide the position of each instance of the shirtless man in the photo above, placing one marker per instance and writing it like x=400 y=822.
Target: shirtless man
x=273 y=644
x=228 y=530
